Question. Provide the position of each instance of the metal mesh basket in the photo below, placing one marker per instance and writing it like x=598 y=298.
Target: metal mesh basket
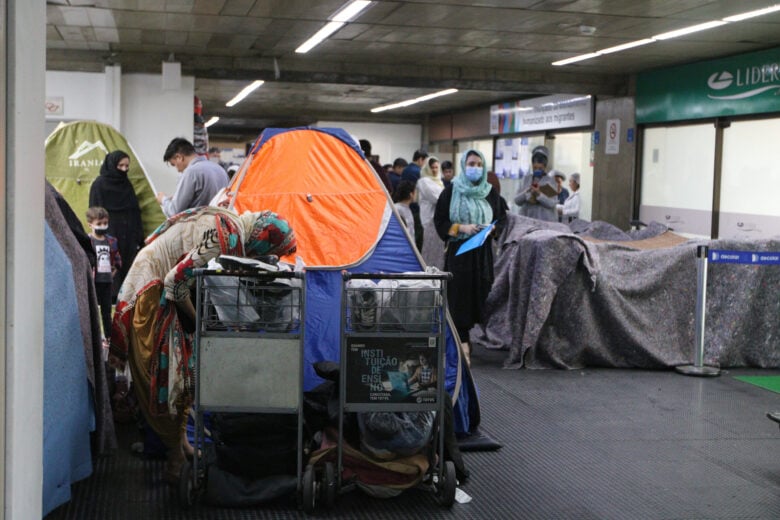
x=396 y=307
x=249 y=304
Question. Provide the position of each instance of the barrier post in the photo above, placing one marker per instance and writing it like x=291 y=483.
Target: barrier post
x=698 y=368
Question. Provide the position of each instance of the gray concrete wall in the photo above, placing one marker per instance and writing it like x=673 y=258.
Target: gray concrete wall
x=614 y=174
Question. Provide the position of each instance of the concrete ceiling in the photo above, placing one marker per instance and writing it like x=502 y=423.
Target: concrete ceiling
x=491 y=50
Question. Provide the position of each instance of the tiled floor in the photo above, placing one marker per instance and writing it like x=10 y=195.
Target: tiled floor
x=585 y=444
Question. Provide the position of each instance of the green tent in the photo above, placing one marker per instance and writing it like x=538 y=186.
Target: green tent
x=74 y=154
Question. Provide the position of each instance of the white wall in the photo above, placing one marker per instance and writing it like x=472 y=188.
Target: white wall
x=152 y=117
x=134 y=104
x=83 y=93
x=388 y=141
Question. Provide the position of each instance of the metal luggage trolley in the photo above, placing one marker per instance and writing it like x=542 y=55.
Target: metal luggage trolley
x=381 y=328
x=249 y=355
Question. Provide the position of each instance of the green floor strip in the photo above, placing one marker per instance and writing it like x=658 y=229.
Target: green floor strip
x=771 y=383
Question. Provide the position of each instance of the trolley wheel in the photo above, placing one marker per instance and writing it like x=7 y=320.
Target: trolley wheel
x=308 y=491
x=445 y=488
x=186 y=486
x=328 y=486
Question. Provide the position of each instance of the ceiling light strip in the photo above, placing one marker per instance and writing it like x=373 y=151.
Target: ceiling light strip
x=752 y=14
x=416 y=100
x=244 y=93
x=319 y=36
x=629 y=45
x=689 y=30
x=669 y=35
x=211 y=121
x=338 y=20
x=350 y=11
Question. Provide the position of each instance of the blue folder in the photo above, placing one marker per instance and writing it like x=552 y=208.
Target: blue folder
x=477 y=240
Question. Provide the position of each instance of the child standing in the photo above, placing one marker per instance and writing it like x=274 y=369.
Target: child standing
x=108 y=262
x=404 y=195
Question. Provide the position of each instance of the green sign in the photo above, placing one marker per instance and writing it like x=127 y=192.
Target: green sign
x=740 y=85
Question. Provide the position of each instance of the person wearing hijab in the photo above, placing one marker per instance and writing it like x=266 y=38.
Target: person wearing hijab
x=429 y=187
x=570 y=209
x=113 y=191
x=465 y=207
x=152 y=326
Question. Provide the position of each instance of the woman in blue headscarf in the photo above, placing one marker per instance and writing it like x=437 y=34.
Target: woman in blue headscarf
x=467 y=205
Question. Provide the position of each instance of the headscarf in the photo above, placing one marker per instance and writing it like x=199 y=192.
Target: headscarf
x=267 y=233
x=426 y=171
x=250 y=234
x=114 y=190
x=468 y=204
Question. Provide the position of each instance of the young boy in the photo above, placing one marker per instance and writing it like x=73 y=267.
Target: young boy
x=108 y=262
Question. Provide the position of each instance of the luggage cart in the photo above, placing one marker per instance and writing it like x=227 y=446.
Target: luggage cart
x=248 y=353
x=397 y=320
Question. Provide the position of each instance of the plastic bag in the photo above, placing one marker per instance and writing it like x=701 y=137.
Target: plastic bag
x=389 y=435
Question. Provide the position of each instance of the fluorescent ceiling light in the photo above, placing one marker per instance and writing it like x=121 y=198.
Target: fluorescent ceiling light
x=244 y=93
x=752 y=14
x=671 y=34
x=211 y=121
x=350 y=11
x=338 y=20
x=415 y=100
x=581 y=57
x=629 y=45
x=319 y=36
x=689 y=30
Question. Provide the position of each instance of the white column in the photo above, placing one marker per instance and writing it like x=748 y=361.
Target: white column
x=24 y=75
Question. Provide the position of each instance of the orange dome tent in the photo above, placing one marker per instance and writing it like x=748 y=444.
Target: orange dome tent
x=319 y=180
x=320 y=184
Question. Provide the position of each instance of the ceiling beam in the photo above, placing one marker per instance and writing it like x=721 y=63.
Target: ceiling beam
x=526 y=81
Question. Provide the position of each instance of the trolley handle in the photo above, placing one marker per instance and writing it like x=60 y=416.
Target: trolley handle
x=248 y=273
x=346 y=275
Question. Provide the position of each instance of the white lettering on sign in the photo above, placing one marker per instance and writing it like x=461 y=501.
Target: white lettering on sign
x=543 y=113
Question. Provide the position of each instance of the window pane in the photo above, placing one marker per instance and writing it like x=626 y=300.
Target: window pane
x=677 y=175
x=750 y=181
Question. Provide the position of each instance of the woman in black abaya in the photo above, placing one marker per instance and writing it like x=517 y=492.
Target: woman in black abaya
x=113 y=191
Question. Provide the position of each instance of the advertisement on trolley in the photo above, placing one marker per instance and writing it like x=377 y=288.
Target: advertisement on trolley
x=391 y=370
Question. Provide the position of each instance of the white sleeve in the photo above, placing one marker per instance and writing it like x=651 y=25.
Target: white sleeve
x=572 y=206
x=428 y=190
